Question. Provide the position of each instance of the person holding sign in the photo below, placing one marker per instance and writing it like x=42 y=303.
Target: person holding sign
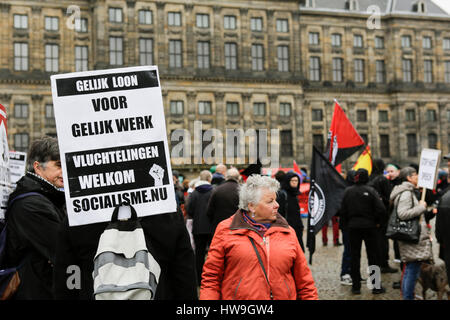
x=33 y=220
x=408 y=207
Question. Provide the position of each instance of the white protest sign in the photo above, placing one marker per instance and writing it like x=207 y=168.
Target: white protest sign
x=17 y=164
x=428 y=168
x=5 y=173
x=113 y=143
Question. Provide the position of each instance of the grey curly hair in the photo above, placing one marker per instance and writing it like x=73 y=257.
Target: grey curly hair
x=251 y=191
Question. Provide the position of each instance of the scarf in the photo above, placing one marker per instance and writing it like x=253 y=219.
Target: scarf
x=261 y=228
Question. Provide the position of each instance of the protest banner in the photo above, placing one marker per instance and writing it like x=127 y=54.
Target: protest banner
x=113 y=143
x=5 y=176
x=17 y=165
x=428 y=169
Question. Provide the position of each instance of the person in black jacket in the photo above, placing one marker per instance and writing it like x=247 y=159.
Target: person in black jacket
x=224 y=200
x=33 y=221
x=361 y=212
x=291 y=185
x=196 y=209
x=167 y=240
x=383 y=187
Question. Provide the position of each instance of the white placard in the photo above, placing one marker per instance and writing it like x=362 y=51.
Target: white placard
x=17 y=164
x=428 y=168
x=113 y=143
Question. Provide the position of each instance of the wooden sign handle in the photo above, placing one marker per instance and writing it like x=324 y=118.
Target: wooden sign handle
x=424 y=192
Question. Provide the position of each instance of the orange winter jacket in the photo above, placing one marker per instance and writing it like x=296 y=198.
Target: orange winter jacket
x=232 y=270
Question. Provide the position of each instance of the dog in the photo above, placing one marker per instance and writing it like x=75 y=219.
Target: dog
x=434 y=277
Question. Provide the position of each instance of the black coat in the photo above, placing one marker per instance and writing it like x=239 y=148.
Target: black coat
x=32 y=227
x=167 y=240
x=384 y=188
x=223 y=203
x=197 y=204
x=361 y=207
x=443 y=226
x=290 y=206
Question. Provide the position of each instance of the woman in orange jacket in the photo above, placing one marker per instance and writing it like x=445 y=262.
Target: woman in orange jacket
x=255 y=254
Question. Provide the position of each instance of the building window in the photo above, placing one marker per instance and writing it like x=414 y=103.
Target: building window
x=338 y=69
x=81 y=25
x=314 y=68
x=49 y=113
x=21 y=110
x=204 y=107
x=336 y=40
x=230 y=56
x=316 y=115
x=20 y=56
x=380 y=71
x=21 y=142
x=259 y=109
x=229 y=22
x=357 y=41
x=283 y=58
x=410 y=115
x=379 y=42
x=318 y=141
x=407 y=70
x=51 y=57
x=446 y=44
x=426 y=43
x=51 y=23
x=447 y=71
x=428 y=71
x=20 y=21
x=145 y=17
x=314 y=38
x=432 y=141
x=175 y=58
x=174 y=19
x=115 y=51
x=256 y=24
x=146 y=52
x=383 y=116
x=406 y=41
x=411 y=141
x=115 y=15
x=359 y=70
x=81 y=58
x=232 y=109
x=286 y=143
x=257 y=57
x=431 y=115
x=202 y=20
x=285 y=109
x=361 y=115
x=384 y=146
x=282 y=25
x=448 y=115
x=203 y=54
x=176 y=107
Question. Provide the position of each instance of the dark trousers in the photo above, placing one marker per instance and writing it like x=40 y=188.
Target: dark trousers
x=357 y=236
x=383 y=246
x=201 y=243
x=346 y=255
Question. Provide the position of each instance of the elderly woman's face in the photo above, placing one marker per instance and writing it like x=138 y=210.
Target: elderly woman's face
x=392 y=172
x=267 y=208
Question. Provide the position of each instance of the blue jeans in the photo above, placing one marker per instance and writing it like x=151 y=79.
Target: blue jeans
x=410 y=275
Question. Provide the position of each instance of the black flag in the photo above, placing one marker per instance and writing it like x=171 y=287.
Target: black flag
x=325 y=196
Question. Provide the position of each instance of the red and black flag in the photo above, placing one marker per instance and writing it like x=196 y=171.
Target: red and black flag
x=343 y=140
x=325 y=196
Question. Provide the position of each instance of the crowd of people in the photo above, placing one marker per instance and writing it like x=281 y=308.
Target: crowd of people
x=244 y=239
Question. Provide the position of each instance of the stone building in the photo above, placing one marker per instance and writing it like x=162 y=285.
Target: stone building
x=245 y=65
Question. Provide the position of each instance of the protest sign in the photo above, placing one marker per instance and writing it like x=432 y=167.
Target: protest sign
x=113 y=143
x=428 y=168
x=5 y=177
x=17 y=165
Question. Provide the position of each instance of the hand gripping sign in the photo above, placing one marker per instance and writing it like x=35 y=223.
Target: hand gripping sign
x=113 y=143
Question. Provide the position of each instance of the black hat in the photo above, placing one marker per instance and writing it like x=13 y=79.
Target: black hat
x=447 y=156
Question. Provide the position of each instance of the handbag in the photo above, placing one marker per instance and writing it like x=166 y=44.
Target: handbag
x=403 y=230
